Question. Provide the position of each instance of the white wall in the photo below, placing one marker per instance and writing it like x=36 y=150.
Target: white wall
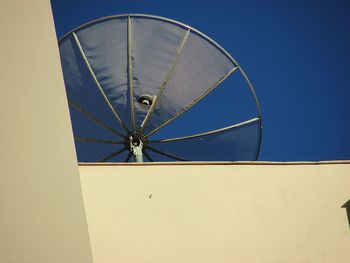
x=218 y=213
x=42 y=217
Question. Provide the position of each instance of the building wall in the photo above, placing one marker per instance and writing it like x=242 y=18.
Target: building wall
x=42 y=217
x=218 y=213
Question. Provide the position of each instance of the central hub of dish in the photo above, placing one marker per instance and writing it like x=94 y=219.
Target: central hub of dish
x=134 y=140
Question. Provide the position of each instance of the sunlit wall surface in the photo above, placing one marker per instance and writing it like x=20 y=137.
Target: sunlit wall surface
x=218 y=213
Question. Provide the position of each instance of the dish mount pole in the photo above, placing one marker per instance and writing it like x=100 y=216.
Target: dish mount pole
x=136 y=146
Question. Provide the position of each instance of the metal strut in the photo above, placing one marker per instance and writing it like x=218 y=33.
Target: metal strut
x=136 y=149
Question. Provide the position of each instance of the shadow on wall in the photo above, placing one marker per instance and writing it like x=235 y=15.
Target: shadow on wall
x=347 y=207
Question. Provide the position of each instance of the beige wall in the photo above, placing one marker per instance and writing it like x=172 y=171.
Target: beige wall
x=42 y=217
x=218 y=213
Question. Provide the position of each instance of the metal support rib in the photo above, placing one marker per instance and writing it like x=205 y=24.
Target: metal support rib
x=145 y=120
x=147 y=156
x=97 y=82
x=238 y=125
x=95 y=140
x=127 y=158
x=194 y=102
x=93 y=118
x=111 y=155
x=165 y=82
x=166 y=154
x=131 y=92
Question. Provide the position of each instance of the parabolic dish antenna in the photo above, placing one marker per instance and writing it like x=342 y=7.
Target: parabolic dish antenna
x=128 y=76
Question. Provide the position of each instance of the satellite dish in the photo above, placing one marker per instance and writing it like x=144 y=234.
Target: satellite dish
x=128 y=76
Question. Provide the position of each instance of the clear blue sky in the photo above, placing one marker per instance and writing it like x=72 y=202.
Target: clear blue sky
x=296 y=54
